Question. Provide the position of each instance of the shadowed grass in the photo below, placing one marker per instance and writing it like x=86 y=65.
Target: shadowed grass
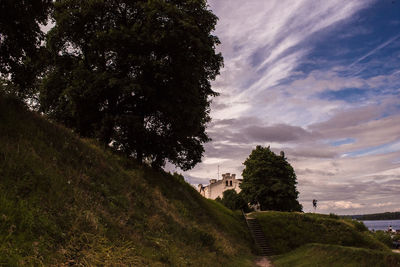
x=64 y=200
x=311 y=255
x=286 y=231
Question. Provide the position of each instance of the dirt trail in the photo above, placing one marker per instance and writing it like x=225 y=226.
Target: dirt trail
x=263 y=262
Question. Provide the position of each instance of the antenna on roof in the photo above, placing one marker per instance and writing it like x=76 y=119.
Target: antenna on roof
x=218 y=173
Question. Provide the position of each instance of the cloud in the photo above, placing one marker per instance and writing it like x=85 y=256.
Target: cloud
x=319 y=172
x=209 y=160
x=275 y=133
x=263 y=42
x=380 y=205
x=349 y=118
x=318 y=81
x=335 y=205
x=196 y=180
x=309 y=151
x=376 y=49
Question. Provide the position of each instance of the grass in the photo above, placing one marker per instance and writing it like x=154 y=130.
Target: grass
x=65 y=200
x=286 y=231
x=68 y=201
x=322 y=240
x=311 y=255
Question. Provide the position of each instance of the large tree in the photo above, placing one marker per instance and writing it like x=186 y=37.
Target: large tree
x=20 y=41
x=135 y=74
x=269 y=180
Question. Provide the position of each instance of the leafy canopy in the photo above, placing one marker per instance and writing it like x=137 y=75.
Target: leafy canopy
x=20 y=41
x=233 y=200
x=135 y=74
x=268 y=179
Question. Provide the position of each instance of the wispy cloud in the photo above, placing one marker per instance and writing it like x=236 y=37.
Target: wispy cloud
x=370 y=53
x=298 y=78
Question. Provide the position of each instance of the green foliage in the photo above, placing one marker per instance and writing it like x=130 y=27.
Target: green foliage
x=67 y=201
x=20 y=43
x=384 y=237
x=360 y=226
x=136 y=73
x=334 y=216
x=269 y=180
x=286 y=231
x=234 y=201
x=336 y=256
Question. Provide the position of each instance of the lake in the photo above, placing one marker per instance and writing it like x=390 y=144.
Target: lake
x=382 y=224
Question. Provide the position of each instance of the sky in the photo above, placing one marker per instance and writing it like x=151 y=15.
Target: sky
x=320 y=80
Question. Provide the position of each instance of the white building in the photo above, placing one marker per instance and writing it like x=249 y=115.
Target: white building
x=216 y=187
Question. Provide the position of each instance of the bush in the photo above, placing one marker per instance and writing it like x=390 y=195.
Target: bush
x=360 y=226
x=333 y=216
x=384 y=237
x=234 y=201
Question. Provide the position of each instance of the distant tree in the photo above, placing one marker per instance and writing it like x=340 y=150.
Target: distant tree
x=234 y=201
x=380 y=216
x=135 y=74
x=268 y=179
x=20 y=42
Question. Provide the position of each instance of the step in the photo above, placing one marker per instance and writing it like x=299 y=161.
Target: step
x=259 y=237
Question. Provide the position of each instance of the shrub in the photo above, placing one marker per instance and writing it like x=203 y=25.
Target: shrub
x=333 y=216
x=384 y=237
x=360 y=226
x=234 y=201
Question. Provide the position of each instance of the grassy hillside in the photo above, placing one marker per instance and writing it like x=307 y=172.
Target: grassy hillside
x=322 y=240
x=336 y=256
x=286 y=231
x=64 y=200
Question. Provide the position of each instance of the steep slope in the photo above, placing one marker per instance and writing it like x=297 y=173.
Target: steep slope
x=68 y=201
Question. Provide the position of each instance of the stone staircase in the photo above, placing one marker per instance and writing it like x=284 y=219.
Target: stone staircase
x=259 y=237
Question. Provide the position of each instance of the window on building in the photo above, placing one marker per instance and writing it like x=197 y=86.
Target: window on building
x=231 y=183
x=226 y=182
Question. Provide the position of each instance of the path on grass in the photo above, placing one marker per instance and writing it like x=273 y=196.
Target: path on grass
x=263 y=262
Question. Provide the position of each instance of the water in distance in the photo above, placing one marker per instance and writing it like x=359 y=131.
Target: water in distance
x=382 y=224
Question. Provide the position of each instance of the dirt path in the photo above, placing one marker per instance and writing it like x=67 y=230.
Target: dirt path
x=263 y=262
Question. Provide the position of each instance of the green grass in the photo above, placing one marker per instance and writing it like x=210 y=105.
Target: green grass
x=64 y=200
x=286 y=231
x=313 y=255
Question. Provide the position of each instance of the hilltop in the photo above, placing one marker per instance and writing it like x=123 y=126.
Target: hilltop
x=66 y=200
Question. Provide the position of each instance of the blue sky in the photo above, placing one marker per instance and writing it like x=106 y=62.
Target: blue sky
x=319 y=79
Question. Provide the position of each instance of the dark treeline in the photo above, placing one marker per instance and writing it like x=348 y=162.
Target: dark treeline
x=376 y=216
